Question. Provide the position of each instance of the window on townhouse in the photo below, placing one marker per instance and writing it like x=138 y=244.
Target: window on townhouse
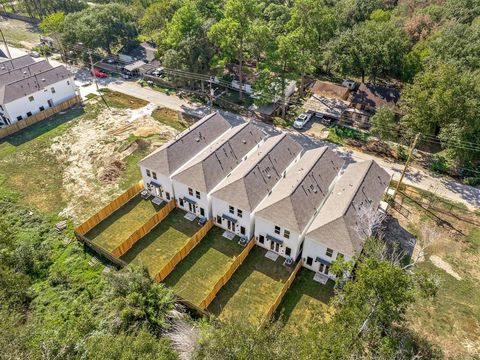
x=148 y=173
x=29 y=113
x=239 y=213
x=277 y=229
x=288 y=251
x=261 y=239
x=286 y=234
x=53 y=90
x=41 y=108
x=219 y=219
x=31 y=98
x=154 y=175
x=242 y=230
x=309 y=261
x=231 y=209
x=190 y=191
x=167 y=195
x=197 y=194
x=202 y=212
x=68 y=82
x=329 y=252
x=19 y=118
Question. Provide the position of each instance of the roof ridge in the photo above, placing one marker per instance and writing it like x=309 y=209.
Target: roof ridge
x=267 y=153
x=325 y=149
x=354 y=193
x=33 y=75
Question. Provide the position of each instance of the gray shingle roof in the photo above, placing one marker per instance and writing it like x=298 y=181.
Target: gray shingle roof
x=212 y=165
x=255 y=177
x=24 y=87
x=335 y=226
x=172 y=155
x=296 y=198
x=16 y=63
x=24 y=72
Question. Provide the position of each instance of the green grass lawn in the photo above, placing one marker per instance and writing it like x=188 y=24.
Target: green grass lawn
x=196 y=275
x=112 y=231
x=120 y=101
x=170 y=118
x=162 y=243
x=305 y=300
x=20 y=33
x=252 y=289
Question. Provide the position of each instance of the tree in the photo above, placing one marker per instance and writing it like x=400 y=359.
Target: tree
x=445 y=101
x=384 y=124
x=101 y=26
x=156 y=16
x=232 y=32
x=42 y=8
x=369 y=49
x=52 y=25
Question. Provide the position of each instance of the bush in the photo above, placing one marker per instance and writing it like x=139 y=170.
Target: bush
x=401 y=153
x=439 y=164
x=472 y=180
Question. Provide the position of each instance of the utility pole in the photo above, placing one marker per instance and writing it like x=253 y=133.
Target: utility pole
x=407 y=163
x=6 y=46
x=93 y=70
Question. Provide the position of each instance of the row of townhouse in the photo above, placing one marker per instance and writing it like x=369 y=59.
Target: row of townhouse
x=28 y=87
x=295 y=202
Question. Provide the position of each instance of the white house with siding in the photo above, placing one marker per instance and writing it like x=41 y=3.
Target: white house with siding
x=193 y=183
x=28 y=87
x=159 y=166
x=337 y=229
x=282 y=219
x=235 y=199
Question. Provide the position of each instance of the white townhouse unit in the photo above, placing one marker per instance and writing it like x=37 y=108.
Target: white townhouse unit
x=158 y=167
x=282 y=219
x=235 y=199
x=337 y=230
x=28 y=87
x=193 y=183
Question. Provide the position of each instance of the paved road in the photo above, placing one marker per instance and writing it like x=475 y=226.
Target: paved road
x=442 y=186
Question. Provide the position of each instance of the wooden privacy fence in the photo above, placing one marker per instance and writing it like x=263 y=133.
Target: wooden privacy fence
x=42 y=115
x=184 y=251
x=228 y=274
x=280 y=296
x=101 y=251
x=116 y=204
x=144 y=229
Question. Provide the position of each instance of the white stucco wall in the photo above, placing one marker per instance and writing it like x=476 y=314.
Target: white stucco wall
x=265 y=227
x=314 y=249
x=181 y=191
x=162 y=180
x=64 y=90
x=220 y=207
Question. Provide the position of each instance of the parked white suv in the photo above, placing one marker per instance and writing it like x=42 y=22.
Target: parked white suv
x=301 y=120
x=349 y=84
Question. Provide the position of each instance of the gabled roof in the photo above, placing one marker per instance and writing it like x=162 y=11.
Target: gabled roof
x=27 y=86
x=330 y=90
x=337 y=225
x=296 y=198
x=212 y=165
x=16 y=63
x=255 y=177
x=175 y=153
x=376 y=96
x=24 y=72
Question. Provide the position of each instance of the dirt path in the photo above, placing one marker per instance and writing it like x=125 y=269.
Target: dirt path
x=442 y=264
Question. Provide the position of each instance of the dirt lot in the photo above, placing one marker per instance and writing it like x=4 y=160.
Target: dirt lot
x=77 y=161
x=450 y=237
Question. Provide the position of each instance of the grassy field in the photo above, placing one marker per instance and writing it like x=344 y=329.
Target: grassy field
x=252 y=289
x=112 y=231
x=122 y=101
x=451 y=320
x=20 y=33
x=163 y=242
x=170 y=118
x=195 y=276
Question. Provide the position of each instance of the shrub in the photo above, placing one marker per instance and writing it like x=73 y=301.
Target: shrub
x=439 y=164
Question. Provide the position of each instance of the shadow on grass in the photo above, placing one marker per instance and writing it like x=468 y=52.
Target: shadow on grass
x=255 y=262
x=174 y=220
x=42 y=127
x=304 y=286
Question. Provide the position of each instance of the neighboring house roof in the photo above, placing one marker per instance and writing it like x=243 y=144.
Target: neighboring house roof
x=330 y=90
x=135 y=65
x=296 y=198
x=255 y=177
x=212 y=165
x=27 y=86
x=16 y=63
x=330 y=107
x=374 y=96
x=23 y=72
x=141 y=51
x=172 y=155
x=337 y=224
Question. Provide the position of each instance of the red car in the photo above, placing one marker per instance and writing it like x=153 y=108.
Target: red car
x=98 y=73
